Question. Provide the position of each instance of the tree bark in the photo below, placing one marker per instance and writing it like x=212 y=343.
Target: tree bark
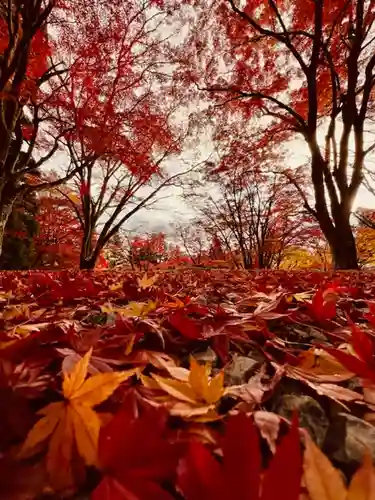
x=87 y=264
x=5 y=212
x=343 y=249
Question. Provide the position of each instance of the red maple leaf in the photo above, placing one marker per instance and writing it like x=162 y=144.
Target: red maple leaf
x=201 y=476
x=323 y=305
x=136 y=457
x=186 y=326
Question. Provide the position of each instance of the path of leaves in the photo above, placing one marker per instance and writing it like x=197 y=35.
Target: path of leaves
x=187 y=384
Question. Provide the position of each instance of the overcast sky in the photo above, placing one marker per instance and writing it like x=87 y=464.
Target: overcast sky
x=170 y=207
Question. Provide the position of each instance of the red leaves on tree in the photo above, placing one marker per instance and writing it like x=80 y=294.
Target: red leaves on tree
x=37 y=60
x=59 y=240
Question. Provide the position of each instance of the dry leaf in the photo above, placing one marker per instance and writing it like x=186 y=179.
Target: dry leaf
x=176 y=389
x=73 y=421
x=362 y=486
x=146 y=282
x=194 y=393
x=269 y=425
x=12 y=312
x=323 y=481
x=319 y=366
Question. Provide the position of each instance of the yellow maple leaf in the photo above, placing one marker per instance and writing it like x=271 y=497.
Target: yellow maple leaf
x=146 y=282
x=73 y=421
x=137 y=309
x=193 y=395
x=324 y=482
x=206 y=388
x=115 y=287
x=16 y=311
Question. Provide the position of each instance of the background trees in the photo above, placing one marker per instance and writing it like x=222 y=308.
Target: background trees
x=19 y=248
x=119 y=111
x=257 y=216
x=120 y=87
x=59 y=239
x=25 y=74
x=299 y=66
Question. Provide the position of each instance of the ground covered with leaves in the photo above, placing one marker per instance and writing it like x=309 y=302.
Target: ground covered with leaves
x=187 y=384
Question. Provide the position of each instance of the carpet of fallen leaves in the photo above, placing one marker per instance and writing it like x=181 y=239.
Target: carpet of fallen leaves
x=188 y=384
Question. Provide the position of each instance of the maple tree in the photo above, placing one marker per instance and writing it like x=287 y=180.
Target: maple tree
x=297 y=66
x=120 y=113
x=192 y=239
x=257 y=217
x=58 y=242
x=365 y=236
x=146 y=250
x=25 y=74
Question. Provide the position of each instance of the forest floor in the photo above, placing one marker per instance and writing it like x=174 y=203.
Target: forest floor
x=237 y=379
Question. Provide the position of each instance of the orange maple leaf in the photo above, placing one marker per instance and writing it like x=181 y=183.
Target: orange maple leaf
x=324 y=482
x=73 y=422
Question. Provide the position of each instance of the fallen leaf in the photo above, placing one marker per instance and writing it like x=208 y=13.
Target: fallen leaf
x=186 y=326
x=193 y=393
x=284 y=474
x=362 y=485
x=73 y=421
x=318 y=365
x=362 y=344
x=268 y=425
x=146 y=282
x=13 y=312
x=323 y=481
x=130 y=448
x=242 y=459
x=200 y=475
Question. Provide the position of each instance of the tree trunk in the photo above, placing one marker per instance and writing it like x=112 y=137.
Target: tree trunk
x=87 y=263
x=344 y=251
x=5 y=212
x=88 y=256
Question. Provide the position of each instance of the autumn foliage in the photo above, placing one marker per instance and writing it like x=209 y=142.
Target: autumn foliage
x=102 y=374
x=224 y=360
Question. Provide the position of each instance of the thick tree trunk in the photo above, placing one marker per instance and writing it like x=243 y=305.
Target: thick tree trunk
x=87 y=263
x=344 y=251
x=88 y=256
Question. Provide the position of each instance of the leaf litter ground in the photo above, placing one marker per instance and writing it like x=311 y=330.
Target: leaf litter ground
x=248 y=385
